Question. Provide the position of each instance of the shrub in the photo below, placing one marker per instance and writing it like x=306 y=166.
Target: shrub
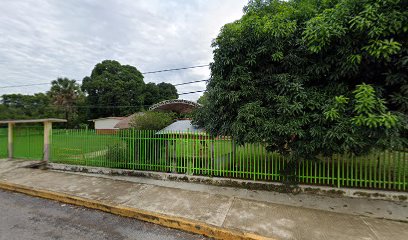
x=118 y=154
x=152 y=120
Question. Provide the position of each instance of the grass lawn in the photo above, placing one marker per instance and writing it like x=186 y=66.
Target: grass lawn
x=3 y=143
x=28 y=143
x=76 y=147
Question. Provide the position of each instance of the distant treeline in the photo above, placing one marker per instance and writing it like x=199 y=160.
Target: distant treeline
x=112 y=89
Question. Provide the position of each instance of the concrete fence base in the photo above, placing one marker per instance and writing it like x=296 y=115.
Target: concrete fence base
x=247 y=184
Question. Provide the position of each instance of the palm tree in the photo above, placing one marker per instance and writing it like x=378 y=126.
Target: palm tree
x=64 y=93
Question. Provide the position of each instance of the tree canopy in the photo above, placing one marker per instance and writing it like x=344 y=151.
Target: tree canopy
x=113 y=89
x=119 y=90
x=156 y=93
x=311 y=77
x=19 y=106
x=66 y=94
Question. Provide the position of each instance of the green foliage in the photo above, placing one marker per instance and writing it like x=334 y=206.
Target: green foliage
x=382 y=48
x=203 y=99
x=113 y=84
x=18 y=106
x=152 y=120
x=363 y=41
x=160 y=92
x=118 y=154
x=65 y=95
x=111 y=90
x=64 y=92
x=339 y=106
x=61 y=101
x=369 y=110
x=290 y=74
x=119 y=90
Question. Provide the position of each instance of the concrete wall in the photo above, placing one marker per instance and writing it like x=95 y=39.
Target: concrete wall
x=106 y=123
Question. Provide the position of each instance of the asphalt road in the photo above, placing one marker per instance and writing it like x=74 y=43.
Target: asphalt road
x=24 y=217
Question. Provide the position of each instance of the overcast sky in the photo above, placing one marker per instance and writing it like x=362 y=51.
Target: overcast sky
x=45 y=39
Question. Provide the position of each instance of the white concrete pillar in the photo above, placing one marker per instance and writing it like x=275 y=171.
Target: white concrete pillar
x=47 y=140
x=10 y=140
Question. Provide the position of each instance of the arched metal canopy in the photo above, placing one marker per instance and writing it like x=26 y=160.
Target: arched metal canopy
x=175 y=105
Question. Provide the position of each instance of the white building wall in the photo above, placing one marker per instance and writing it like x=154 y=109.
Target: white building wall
x=106 y=123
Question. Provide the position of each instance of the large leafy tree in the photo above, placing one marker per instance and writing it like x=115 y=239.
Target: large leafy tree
x=167 y=91
x=156 y=93
x=114 y=90
x=65 y=94
x=311 y=77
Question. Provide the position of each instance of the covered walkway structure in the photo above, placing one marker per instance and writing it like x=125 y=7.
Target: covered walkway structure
x=41 y=143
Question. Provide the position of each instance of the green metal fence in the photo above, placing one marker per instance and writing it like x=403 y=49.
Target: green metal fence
x=200 y=155
x=3 y=143
x=28 y=142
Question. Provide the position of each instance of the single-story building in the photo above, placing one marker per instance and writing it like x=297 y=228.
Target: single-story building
x=106 y=125
x=125 y=122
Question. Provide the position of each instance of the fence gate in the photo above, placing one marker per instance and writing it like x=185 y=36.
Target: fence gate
x=28 y=142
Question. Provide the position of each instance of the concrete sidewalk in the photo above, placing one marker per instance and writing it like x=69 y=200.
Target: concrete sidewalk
x=262 y=213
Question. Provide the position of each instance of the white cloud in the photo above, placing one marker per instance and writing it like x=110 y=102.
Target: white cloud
x=45 y=39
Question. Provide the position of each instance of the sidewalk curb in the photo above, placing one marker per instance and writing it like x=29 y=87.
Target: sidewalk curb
x=390 y=195
x=156 y=218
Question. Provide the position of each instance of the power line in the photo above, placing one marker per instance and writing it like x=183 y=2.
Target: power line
x=158 y=71
x=205 y=80
x=177 y=69
x=192 y=92
x=25 y=85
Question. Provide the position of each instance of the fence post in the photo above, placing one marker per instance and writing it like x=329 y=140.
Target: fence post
x=212 y=162
x=174 y=157
x=47 y=133
x=166 y=143
x=338 y=172
x=190 y=162
x=234 y=152
x=10 y=140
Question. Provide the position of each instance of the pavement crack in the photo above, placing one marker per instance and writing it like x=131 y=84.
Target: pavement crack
x=229 y=208
x=371 y=228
